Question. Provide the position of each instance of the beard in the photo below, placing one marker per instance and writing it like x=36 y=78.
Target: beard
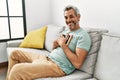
x=72 y=24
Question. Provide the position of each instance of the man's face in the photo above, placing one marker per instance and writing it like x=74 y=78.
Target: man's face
x=72 y=20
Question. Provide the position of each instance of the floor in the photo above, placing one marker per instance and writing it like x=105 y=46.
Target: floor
x=3 y=72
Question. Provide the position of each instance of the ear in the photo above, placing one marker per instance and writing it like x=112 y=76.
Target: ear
x=78 y=16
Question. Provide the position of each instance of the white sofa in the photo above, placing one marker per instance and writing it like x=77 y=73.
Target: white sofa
x=102 y=62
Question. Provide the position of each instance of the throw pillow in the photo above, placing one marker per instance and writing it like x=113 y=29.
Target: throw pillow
x=53 y=31
x=96 y=36
x=108 y=65
x=35 y=39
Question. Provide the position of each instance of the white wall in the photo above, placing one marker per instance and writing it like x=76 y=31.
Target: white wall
x=37 y=13
x=94 y=13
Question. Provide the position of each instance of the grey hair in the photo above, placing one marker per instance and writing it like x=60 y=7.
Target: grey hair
x=72 y=7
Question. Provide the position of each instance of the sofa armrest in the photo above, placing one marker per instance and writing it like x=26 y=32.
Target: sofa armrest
x=92 y=79
x=14 y=43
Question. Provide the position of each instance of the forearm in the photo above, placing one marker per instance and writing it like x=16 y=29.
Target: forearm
x=55 y=44
x=74 y=59
x=68 y=52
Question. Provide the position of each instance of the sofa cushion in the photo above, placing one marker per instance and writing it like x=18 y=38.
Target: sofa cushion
x=34 y=39
x=76 y=75
x=53 y=31
x=91 y=79
x=108 y=66
x=95 y=34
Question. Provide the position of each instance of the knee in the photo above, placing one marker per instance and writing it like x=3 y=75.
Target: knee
x=13 y=53
x=16 y=71
x=17 y=68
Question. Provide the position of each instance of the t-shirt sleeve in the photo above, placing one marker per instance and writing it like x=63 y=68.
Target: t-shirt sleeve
x=84 y=42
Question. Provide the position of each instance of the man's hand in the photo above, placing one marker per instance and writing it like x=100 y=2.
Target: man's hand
x=61 y=41
x=55 y=44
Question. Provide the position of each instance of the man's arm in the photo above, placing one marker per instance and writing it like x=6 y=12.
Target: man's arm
x=77 y=58
x=55 y=44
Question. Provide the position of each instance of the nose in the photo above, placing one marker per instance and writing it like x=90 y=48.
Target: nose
x=68 y=19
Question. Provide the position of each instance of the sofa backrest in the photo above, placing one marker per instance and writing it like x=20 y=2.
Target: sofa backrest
x=108 y=65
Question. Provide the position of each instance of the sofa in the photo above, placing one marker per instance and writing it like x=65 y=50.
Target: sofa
x=102 y=61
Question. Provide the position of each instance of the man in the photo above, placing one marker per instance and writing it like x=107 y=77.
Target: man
x=63 y=60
